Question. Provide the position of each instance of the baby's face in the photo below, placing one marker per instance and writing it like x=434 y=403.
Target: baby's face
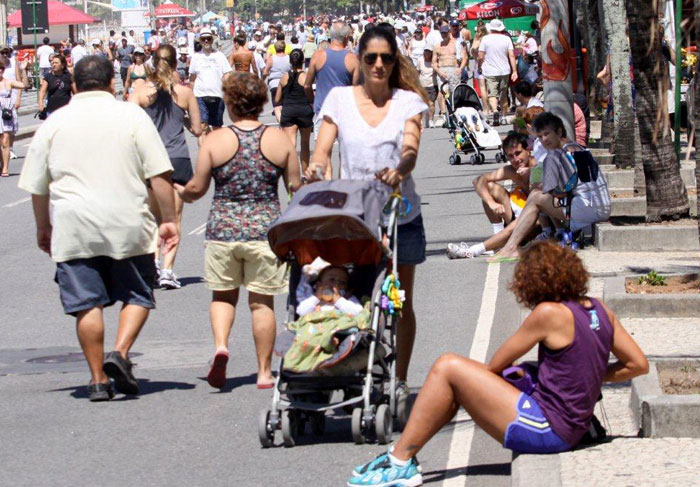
x=333 y=278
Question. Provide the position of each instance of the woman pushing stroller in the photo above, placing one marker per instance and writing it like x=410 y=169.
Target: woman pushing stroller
x=575 y=335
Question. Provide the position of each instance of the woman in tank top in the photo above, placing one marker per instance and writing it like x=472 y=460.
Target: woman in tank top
x=275 y=67
x=57 y=84
x=416 y=47
x=297 y=112
x=245 y=161
x=242 y=59
x=575 y=335
x=172 y=107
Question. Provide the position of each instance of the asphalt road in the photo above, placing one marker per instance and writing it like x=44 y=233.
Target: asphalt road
x=179 y=431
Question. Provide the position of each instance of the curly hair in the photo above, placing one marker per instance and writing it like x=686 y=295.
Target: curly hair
x=549 y=272
x=245 y=94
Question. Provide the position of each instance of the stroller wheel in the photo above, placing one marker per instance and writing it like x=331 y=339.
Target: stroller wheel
x=453 y=160
x=318 y=424
x=266 y=433
x=289 y=427
x=384 y=424
x=403 y=408
x=358 y=435
x=473 y=159
x=482 y=158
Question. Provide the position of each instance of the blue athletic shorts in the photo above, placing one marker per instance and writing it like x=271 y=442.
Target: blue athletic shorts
x=211 y=109
x=412 y=242
x=531 y=432
x=101 y=281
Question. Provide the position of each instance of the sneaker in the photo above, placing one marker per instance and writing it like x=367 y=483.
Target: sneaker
x=381 y=472
x=100 y=392
x=13 y=155
x=119 y=368
x=543 y=236
x=168 y=280
x=459 y=251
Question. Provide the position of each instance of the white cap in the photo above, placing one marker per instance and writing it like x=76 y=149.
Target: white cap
x=496 y=26
x=205 y=32
x=182 y=50
x=139 y=50
x=257 y=33
x=181 y=41
x=252 y=45
x=96 y=42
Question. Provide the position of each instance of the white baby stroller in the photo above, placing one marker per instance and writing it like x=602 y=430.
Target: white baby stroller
x=468 y=128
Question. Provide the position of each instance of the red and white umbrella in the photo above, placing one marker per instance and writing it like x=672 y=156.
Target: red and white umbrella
x=167 y=10
x=501 y=9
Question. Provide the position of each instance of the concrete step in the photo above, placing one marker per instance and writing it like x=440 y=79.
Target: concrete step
x=647 y=238
x=624 y=178
x=637 y=206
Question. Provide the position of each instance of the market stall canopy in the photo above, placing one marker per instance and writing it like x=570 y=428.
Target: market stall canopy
x=59 y=14
x=501 y=9
x=424 y=8
x=209 y=16
x=170 y=9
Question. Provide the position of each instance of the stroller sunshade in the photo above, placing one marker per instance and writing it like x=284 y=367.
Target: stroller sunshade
x=335 y=220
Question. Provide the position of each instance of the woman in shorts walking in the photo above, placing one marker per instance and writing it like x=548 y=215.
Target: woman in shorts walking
x=245 y=162
x=297 y=112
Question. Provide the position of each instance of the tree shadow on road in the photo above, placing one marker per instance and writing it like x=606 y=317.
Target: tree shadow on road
x=234 y=383
x=146 y=387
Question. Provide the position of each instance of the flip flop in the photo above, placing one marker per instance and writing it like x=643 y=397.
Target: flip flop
x=266 y=386
x=217 y=373
x=5 y=175
x=502 y=260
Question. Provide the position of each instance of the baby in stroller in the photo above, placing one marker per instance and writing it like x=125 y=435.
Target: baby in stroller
x=331 y=293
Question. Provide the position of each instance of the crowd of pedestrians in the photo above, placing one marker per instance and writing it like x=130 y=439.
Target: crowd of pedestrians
x=372 y=85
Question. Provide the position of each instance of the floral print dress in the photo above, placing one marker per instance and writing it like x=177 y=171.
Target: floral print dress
x=245 y=200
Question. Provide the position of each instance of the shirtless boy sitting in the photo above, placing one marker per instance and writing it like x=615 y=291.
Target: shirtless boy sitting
x=501 y=206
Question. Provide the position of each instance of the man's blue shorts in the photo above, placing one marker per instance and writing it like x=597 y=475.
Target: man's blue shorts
x=211 y=109
x=412 y=242
x=101 y=281
x=531 y=432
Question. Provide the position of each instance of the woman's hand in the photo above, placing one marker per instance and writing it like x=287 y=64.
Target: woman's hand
x=182 y=192
x=390 y=177
x=315 y=172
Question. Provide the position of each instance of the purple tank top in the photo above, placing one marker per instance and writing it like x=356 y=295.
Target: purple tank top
x=569 y=380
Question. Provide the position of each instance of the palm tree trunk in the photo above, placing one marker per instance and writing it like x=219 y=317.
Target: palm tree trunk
x=615 y=18
x=590 y=26
x=695 y=117
x=666 y=194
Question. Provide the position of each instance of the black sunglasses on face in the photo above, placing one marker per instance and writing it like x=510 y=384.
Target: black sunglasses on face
x=205 y=39
x=387 y=58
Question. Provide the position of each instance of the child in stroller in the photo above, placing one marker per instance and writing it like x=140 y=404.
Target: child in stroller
x=331 y=293
x=470 y=131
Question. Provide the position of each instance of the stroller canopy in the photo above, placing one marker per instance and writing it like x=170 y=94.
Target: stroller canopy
x=335 y=220
x=465 y=96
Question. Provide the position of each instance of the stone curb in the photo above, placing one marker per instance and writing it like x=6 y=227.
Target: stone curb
x=648 y=305
x=624 y=178
x=535 y=471
x=663 y=415
x=646 y=238
x=637 y=206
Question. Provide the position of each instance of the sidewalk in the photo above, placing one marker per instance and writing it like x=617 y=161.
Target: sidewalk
x=627 y=460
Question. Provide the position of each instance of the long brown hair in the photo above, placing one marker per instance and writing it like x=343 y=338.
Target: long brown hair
x=404 y=75
x=164 y=64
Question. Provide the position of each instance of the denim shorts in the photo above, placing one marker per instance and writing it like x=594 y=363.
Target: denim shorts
x=412 y=242
x=531 y=432
x=211 y=109
x=101 y=281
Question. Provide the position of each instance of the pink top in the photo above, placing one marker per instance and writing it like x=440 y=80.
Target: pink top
x=579 y=125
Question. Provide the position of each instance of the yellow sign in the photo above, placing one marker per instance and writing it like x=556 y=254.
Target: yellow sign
x=230 y=3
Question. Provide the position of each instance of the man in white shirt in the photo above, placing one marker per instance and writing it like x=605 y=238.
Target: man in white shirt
x=496 y=62
x=434 y=38
x=207 y=69
x=523 y=93
x=78 y=52
x=103 y=243
x=44 y=54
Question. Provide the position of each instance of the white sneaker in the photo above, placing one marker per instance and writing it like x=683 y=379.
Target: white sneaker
x=459 y=251
x=13 y=155
x=168 y=280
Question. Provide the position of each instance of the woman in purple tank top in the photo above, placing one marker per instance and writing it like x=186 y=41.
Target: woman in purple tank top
x=575 y=335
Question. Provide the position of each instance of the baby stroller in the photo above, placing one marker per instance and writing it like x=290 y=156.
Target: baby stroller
x=469 y=130
x=342 y=222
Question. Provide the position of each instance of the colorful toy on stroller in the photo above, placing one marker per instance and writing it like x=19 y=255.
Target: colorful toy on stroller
x=344 y=223
x=468 y=128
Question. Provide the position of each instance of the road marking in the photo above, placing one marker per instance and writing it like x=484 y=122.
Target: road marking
x=18 y=202
x=199 y=229
x=461 y=444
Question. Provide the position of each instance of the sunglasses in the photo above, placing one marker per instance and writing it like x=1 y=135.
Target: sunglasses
x=387 y=58
x=205 y=39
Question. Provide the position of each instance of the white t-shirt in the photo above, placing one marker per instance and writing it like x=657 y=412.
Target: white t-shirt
x=44 y=53
x=534 y=102
x=495 y=48
x=78 y=53
x=366 y=150
x=210 y=69
x=98 y=194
